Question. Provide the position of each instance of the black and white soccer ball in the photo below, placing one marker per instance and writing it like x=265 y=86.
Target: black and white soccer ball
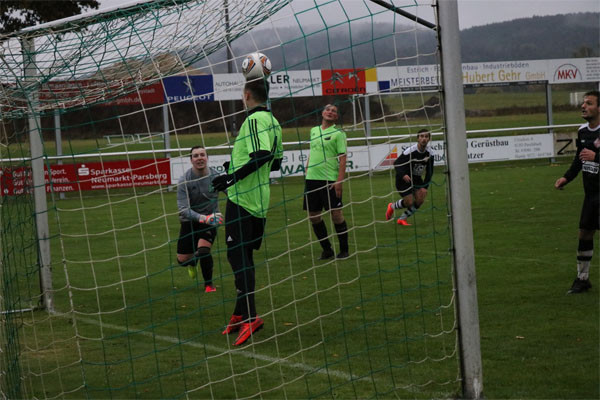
x=256 y=65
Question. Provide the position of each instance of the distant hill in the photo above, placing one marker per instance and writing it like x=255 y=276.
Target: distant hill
x=559 y=36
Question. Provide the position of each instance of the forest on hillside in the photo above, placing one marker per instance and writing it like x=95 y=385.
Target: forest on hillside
x=360 y=44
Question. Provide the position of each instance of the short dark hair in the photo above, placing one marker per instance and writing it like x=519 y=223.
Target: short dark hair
x=424 y=131
x=259 y=90
x=194 y=148
x=594 y=93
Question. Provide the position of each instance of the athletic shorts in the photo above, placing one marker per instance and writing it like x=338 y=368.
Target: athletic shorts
x=590 y=219
x=320 y=195
x=189 y=234
x=406 y=188
x=242 y=229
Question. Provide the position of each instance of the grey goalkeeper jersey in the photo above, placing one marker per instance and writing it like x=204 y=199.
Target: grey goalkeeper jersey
x=194 y=197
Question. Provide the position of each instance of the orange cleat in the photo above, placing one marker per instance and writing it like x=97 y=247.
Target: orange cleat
x=389 y=213
x=234 y=325
x=209 y=289
x=403 y=222
x=247 y=330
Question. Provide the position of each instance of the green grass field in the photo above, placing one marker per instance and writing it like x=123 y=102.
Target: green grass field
x=380 y=324
x=130 y=323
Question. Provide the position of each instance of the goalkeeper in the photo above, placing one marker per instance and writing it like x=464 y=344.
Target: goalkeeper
x=411 y=165
x=199 y=216
x=257 y=150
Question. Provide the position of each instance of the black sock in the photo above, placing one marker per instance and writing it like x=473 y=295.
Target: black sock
x=342 y=234
x=206 y=264
x=321 y=232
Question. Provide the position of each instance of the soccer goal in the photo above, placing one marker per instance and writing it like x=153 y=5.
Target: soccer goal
x=98 y=114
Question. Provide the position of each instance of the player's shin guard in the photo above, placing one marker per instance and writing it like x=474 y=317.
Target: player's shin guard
x=245 y=304
x=206 y=264
x=321 y=233
x=342 y=234
x=585 y=250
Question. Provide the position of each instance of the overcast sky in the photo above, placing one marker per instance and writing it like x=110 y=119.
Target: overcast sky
x=471 y=12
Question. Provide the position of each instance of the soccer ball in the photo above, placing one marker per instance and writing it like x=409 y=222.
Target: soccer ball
x=256 y=65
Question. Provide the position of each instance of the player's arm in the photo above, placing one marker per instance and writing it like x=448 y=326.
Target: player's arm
x=278 y=153
x=402 y=166
x=186 y=211
x=338 y=185
x=257 y=141
x=183 y=201
x=342 y=158
x=257 y=160
x=428 y=171
x=573 y=169
x=589 y=155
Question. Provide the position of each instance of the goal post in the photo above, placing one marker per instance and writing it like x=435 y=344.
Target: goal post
x=120 y=317
x=38 y=179
x=460 y=202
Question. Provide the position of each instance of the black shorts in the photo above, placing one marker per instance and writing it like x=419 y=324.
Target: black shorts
x=590 y=219
x=189 y=234
x=406 y=188
x=242 y=229
x=320 y=195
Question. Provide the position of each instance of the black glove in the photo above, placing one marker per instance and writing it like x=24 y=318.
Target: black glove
x=225 y=166
x=222 y=182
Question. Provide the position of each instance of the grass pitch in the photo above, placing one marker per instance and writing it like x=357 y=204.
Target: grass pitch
x=380 y=324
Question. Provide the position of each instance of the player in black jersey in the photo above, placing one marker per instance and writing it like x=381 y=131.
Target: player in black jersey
x=414 y=169
x=587 y=160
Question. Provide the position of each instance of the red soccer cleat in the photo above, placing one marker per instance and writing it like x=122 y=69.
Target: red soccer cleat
x=234 y=325
x=403 y=222
x=389 y=213
x=248 y=329
x=209 y=289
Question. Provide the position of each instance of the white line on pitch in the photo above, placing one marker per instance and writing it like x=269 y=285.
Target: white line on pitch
x=243 y=353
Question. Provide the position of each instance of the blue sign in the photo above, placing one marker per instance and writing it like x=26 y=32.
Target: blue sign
x=189 y=88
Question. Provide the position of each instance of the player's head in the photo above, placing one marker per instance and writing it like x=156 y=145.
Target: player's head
x=423 y=138
x=330 y=114
x=255 y=93
x=590 y=108
x=199 y=157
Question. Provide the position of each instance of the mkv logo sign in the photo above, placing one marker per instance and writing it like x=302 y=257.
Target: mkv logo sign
x=567 y=72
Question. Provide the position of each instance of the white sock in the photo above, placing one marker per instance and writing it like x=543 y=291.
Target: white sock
x=583 y=263
x=397 y=205
x=407 y=213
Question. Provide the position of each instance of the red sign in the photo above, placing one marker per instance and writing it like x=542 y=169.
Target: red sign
x=343 y=81
x=147 y=95
x=89 y=176
x=67 y=94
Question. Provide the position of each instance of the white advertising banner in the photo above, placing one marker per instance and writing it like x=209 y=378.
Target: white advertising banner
x=398 y=78
x=495 y=73
x=282 y=84
x=382 y=156
x=308 y=83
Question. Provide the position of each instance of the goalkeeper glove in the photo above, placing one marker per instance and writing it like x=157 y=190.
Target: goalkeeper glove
x=215 y=219
x=222 y=182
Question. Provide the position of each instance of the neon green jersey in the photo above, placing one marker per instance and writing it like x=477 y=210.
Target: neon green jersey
x=260 y=131
x=325 y=147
